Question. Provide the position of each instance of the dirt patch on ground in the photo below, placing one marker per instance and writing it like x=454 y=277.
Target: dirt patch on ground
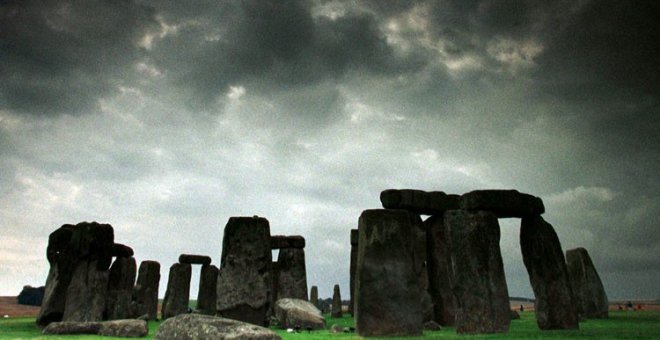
x=8 y=306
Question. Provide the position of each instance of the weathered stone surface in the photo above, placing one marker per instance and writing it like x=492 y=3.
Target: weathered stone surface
x=586 y=285
x=420 y=268
x=120 y=288
x=207 y=296
x=355 y=237
x=275 y=280
x=477 y=272
x=439 y=269
x=52 y=306
x=31 y=296
x=145 y=292
x=87 y=293
x=283 y=242
x=121 y=250
x=298 y=313
x=177 y=294
x=503 y=203
x=58 y=242
x=292 y=278
x=353 y=266
x=126 y=328
x=68 y=246
x=387 y=295
x=244 y=283
x=195 y=259
x=72 y=327
x=418 y=201
x=336 y=303
x=92 y=241
x=544 y=260
x=314 y=296
x=205 y=327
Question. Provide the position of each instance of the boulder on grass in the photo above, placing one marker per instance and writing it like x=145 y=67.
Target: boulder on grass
x=296 y=312
x=206 y=327
x=127 y=328
x=72 y=327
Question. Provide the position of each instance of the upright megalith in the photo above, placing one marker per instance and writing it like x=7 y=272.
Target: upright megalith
x=59 y=275
x=314 y=296
x=91 y=249
x=145 y=293
x=207 y=295
x=292 y=276
x=387 y=294
x=244 y=281
x=439 y=271
x=477 y=272
x=418 y=201
x=120 y=288
x=503 y=203
x=336 y=311
x=195 y=259
x=544 y=260
x=177 y=295
x=353 y=266
x=586 y=284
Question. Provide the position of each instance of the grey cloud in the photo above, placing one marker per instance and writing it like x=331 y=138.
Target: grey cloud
x=61 y=57
x=271 y=45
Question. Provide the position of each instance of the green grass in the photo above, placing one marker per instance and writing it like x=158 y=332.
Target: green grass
x=624 y=324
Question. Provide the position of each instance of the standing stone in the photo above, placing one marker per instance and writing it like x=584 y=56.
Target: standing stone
x=548 y=275
x=62 y=264
x=86 y=294
x=145 y=292
x=275 y=280
x=477 y=272
x=418 y=201
x=336 y=303
x=420 y=268
x=586 y=284
x=439 y=269
x=292 y=278
x=91 y=246
x=207 y=295
x=177 y=295
x=353 y=265
x=120 y=288
x=503 y=203
x=244 y=282
x=314 y=296
x=387 y=296
x=59 y=276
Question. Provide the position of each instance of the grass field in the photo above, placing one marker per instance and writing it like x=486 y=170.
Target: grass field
x=621 y=324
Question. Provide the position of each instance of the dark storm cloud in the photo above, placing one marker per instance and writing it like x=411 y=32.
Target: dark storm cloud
x=62 y=56
x=269 y=45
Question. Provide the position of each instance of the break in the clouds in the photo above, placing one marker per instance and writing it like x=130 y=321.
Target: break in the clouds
x=164 y=119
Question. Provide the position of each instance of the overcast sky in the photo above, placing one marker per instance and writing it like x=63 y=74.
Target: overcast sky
x=164 y=119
